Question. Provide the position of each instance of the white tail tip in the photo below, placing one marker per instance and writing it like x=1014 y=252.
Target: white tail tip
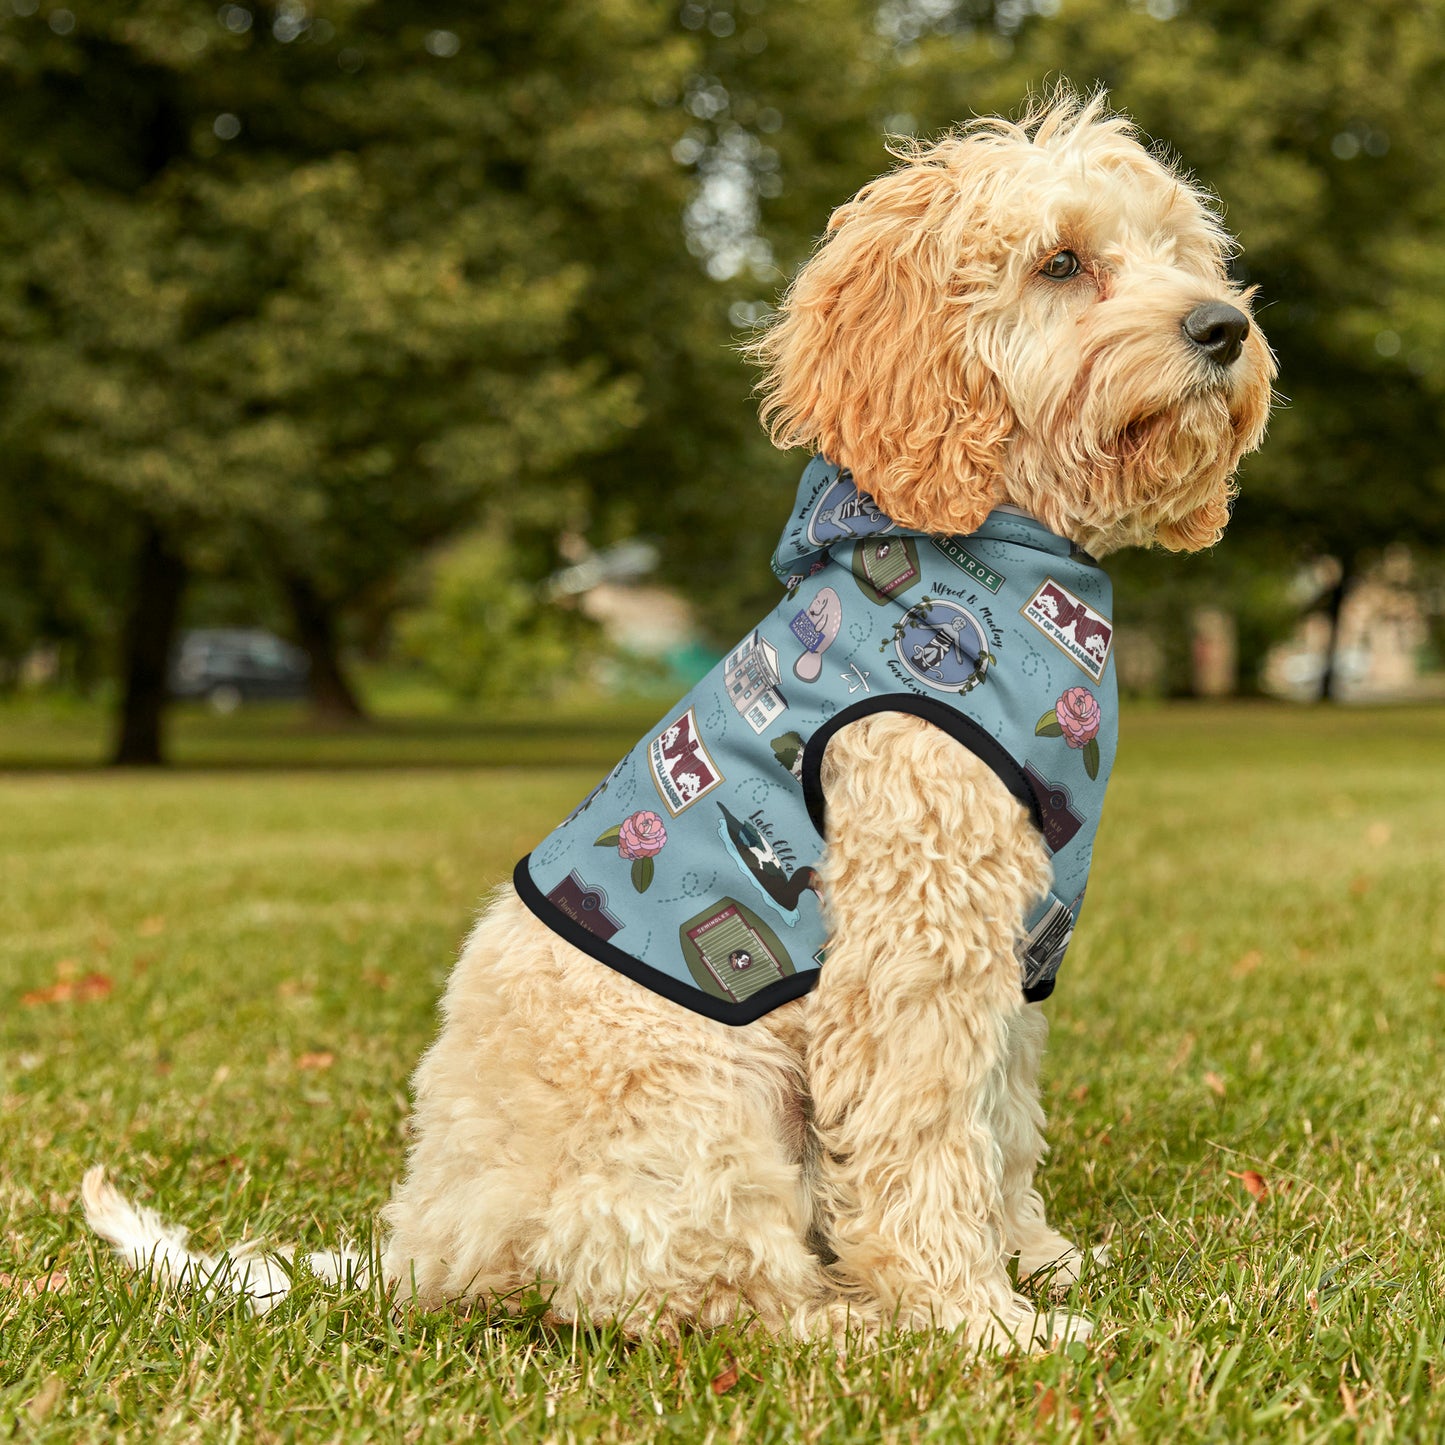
x=147 y=1243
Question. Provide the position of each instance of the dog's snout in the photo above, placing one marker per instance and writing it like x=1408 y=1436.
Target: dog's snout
x=1217 y=330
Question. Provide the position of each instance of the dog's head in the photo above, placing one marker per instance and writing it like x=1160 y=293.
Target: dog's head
x=1036 y=313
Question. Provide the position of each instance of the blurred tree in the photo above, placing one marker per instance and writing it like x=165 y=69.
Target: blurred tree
x=780 y=115
x=324 y=283
x=302 y=280
x=57 y=572
x=484 y=634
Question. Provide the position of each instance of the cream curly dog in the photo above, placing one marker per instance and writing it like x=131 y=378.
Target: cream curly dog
x=1035 y=315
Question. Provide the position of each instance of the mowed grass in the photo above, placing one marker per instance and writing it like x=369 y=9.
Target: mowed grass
x=217 y=983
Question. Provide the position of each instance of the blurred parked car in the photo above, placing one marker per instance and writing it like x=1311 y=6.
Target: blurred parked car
x=230 y=665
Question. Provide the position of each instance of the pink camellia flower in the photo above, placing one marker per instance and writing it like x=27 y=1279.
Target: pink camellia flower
x=1078 y=715
x=642 y=836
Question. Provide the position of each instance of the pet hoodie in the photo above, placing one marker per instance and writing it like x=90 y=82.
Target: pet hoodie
x=691 y=867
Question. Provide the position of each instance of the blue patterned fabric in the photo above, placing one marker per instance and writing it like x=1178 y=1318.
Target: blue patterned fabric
x=691 y=866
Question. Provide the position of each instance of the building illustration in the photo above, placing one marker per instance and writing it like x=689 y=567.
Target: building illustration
x=751 y=678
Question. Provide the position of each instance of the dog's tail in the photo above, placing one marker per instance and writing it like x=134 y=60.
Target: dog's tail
x=147 y=1243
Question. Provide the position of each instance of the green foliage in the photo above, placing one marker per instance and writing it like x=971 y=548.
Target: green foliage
x=486 y=634
x=309 y=284
x=778 y=121
x=321 y=285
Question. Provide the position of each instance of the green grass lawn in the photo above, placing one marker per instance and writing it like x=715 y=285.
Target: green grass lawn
x=217 y=981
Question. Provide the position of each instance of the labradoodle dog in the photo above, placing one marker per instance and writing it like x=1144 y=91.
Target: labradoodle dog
x=752 y=1032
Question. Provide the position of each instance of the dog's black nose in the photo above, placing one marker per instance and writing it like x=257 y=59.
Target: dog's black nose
x=1217 y=330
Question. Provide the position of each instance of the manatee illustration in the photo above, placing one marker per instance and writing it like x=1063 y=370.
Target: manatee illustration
x=816 y=627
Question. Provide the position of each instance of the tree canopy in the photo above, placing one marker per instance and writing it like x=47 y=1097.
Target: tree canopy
x=306 y=288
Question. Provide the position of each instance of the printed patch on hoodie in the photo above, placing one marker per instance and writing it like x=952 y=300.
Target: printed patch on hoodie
x=682 y=767
x=844 y=511
x=1079 y=632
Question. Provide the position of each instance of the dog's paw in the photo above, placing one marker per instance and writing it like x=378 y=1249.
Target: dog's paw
x=1058 y=1267
x=1060 y=1327
x=1023 y=1326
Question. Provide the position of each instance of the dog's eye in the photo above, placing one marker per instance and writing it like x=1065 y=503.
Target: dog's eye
x=1060 y=266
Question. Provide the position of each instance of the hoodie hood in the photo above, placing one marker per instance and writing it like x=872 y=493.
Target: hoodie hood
x=830 y=508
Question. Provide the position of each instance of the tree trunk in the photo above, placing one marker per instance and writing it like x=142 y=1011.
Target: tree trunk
x=1329 y=678
x=333 y=700
x=150 y=629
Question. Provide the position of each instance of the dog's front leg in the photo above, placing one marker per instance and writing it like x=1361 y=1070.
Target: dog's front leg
x=1019 y=1128
x=930 y=867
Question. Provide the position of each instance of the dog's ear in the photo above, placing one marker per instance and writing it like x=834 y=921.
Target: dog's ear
x=873 y=358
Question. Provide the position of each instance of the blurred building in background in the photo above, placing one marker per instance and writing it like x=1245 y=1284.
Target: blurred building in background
x=1382 y=644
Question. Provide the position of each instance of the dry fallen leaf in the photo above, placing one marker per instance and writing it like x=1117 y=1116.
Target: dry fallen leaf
x=82 y=990
x=1247 y=965
x=1214 y=1083
x=56 y=993
x=1253 y=1181
x=1181 y=1054
x=377 y=979
x=56 y=1282
x=151 y=927
x=1440 y=980
x=46 y=1398
x=1080 y=1094
x=1044 y=1410
x=724 y=1382
x=321 y=1059
x=1359 y=885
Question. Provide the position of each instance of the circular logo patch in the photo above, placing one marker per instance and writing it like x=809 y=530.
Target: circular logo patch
x=844 y=511
x=943 y=646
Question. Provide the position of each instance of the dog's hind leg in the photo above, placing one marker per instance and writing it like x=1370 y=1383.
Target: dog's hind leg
x=578 y=1135
x=931 y=865
x=682 y=1197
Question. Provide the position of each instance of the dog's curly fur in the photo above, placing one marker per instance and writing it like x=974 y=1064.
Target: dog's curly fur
x=864 y=1155
x=868 y=1151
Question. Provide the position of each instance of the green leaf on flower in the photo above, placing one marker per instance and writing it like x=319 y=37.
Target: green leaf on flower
x=1091 y=757
x=610 y=838
x=1048 y=726
x=642 y=870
